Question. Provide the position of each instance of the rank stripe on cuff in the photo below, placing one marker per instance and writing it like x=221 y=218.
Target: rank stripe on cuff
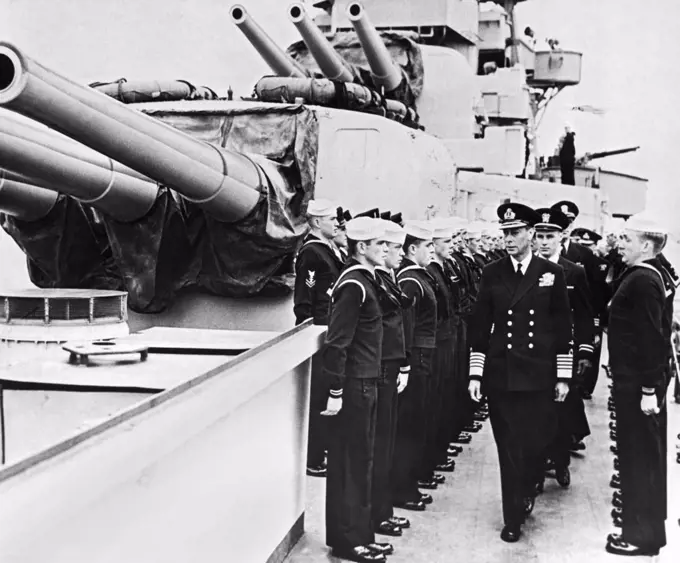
x=477 y=361
x=586 y=348
x=404 y=369
x=597 y=322
x=648 y=391
x=564 y=366
x=336 y=393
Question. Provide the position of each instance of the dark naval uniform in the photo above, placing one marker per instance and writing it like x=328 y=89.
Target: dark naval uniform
x=317 y=267
x=639 y=345
x=572 y=420
x=520 y=347
x=392 y=303
x=420 y=326
x=443 y=396
x=351 y=362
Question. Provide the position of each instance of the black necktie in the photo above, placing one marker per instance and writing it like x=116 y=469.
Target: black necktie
x=520 y=274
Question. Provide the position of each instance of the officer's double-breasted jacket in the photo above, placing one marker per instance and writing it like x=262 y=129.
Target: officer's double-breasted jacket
x=580 y=300
x=521 y=331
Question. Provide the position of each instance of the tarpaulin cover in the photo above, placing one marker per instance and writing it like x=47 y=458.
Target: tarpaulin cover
x=402 y=47
x=177 y=245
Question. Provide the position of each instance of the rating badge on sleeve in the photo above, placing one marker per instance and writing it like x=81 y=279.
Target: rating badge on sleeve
x=311 y=279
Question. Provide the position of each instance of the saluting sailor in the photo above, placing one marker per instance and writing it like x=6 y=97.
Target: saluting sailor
x=317 y=266
x=351 y=362
x=639 y=346
x=520 y=358
x=572 y=420
x=393 y=380
x=420 y=326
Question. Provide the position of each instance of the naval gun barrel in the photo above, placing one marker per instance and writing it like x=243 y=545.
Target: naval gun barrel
x=603 y=154
x=278 y=60
x=226 y=184
x=24 y=200
x=384 y=71
x=50 y=139
x=330 y=63
x=122 y=197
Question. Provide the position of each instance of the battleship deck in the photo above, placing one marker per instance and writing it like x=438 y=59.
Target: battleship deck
x=464 y=523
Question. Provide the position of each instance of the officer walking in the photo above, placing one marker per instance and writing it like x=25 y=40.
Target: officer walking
x=520 y=359
x=317 y=266
x=572 y=421
x=351 y=362
x=639 y=343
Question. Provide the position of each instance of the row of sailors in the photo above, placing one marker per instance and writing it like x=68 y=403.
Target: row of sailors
x=400 y=312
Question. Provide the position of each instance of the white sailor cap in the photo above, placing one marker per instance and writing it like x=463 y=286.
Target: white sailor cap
x=641 y=223
x=419 y=230
x=322 y=208
x=365 y=228
x=441 y=228
x=393 y=232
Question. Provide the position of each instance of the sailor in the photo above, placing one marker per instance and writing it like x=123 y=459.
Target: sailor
x=567 y=154
x=340 y=239
x=420 y=325
x=393 y=380
x=572 y=421
x=639 y=345
x=442 y=403
x=520 y=359
x=317 y=267
x=351 y=362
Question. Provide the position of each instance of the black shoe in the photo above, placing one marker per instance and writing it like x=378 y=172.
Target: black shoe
x=400 y=521
x=563 y=477
x=452 y=453
x=388 y=528
x=617 y=503
x=360 y=554
x=415 y=505
x=439 y=479
x=617 y=522
x=612 y=435
x=448 y=466
x=617 y=513
x=382 y=548
x=612 y=426
x=614 y=538
x=617 y=465
x=463 y=439
x=613 y=449
x=511 y=534
x=453 y=446
x=615 y=483
x=616 y=495
x=612 y=416
x=430 y=485
x=587 y=396
x=528 y=506
x=425 y=498
x=624 y=548
x=317 y=471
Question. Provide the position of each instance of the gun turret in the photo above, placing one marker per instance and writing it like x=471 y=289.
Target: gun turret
x=226 y=184
x=277 y=59
x=384 y=71
x=603 y=154
x=24 y=201
x=122 y=197
x=330 y=63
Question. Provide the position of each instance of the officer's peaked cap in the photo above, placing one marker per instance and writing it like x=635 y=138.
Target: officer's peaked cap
x=551 y=220
x=586 y=235
x=371 y=213
x=516 y=215
x=569 y=208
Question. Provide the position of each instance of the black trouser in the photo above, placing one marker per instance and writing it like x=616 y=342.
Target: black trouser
x=590 y=377
x=572 y=425
x=464 y=407
x=642 y=467
x=350 y=466
x=317 y=443
x=434 y=407
x=385 y=434
x=446 y=363
x=411 y=428
x=523 y=425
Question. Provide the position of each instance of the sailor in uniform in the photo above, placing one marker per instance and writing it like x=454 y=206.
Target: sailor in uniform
x=442 y=403
x=572 y=421
x=520 y=358
x=639 y=343
x=317 y=267
x=340 y=239
x=351 y=362
x=393 y=380
x=420 y=325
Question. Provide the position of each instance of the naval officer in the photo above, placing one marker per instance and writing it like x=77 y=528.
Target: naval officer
x=572 y=421
x=317 y=266
x=351 y=362
x=520 y=342
x=639 y=345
